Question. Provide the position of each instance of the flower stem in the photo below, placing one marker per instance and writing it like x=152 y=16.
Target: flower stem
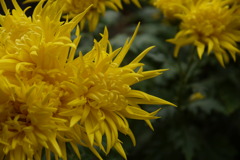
x=185 y=74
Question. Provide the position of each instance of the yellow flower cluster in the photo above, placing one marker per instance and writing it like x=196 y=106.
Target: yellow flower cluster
x=74 y=7
x=210 y=25
x=48 y=98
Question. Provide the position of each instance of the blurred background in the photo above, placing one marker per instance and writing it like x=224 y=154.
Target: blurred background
x=206 y=123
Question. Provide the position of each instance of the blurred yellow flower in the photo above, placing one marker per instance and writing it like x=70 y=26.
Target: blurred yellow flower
x=98 y=8
x=210 y=24
x=170 y=8
x=196 y=96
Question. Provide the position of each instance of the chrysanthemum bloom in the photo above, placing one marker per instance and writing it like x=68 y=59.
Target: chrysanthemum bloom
x=170 y=8
x=210 y=24
x=101 y=96
x=27 y=120
x=74 y=7
x=48 y=98
x=36 y=44
x=33 y=54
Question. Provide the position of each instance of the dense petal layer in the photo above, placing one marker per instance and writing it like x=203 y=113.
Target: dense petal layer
x=210 y=25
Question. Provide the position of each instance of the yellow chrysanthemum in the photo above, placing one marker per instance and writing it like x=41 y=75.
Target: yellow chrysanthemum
x=27 y=120
x=98 y=8
x=33 y=53
x=101 y=98
x=210 y=24
x=48 y=98
x=170 y=8
x=37 y=44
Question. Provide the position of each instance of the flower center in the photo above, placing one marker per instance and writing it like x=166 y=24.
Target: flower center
x=107 y=92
